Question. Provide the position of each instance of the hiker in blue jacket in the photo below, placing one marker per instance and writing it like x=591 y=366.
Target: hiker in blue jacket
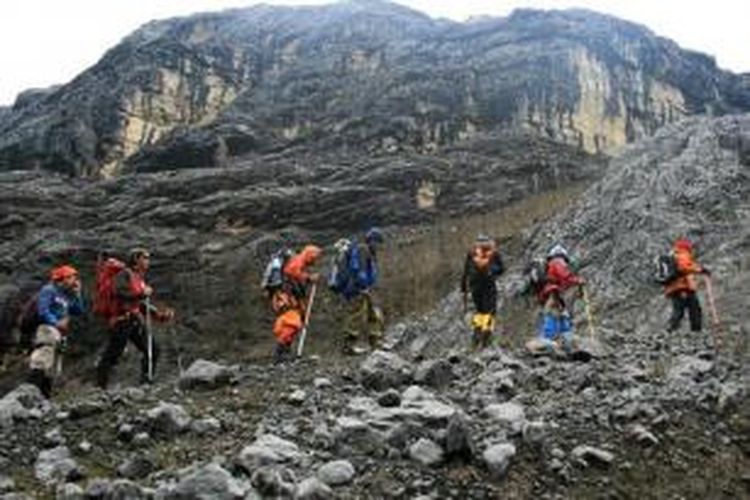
x=354 y=275
x=58 y=300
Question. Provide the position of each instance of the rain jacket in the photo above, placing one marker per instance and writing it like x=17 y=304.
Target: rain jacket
x=55 y=304
x=687 y=268
x=559 y=278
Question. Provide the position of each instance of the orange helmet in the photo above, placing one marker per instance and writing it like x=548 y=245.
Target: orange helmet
x=62 y=272
x=683 y=244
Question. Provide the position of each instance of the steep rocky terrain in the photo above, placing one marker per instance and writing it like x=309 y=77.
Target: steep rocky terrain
x=651 y=416
x=357 y=77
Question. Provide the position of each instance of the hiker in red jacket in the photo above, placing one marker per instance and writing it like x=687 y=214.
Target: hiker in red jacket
x=557 y=296
x=128 y=321
x=682 y=290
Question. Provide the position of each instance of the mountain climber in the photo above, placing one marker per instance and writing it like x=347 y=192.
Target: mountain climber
x=482 y=266
x=682 y=290
x=289 y=302
x=353 y=276
x=128 y=321
x=58 y=300
x=557 y=297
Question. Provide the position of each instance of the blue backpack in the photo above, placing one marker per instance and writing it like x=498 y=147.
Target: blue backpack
x=349 y=275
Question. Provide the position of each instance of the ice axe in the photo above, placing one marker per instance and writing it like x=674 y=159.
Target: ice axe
x=589 y=315
x=149 y=342
x=308 y=310
x=712 y=307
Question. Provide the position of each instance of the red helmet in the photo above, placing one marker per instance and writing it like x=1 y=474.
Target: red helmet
x=683 y=244
x=62 y=272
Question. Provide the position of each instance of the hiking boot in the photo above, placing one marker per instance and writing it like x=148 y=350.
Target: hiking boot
x=42 y=381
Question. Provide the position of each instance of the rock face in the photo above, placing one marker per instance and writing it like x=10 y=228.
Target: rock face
x=211 y=89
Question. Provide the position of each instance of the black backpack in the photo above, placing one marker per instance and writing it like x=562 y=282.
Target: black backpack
x=534 y=276
x=665 y=269
x=273 y=275
x=28 y=321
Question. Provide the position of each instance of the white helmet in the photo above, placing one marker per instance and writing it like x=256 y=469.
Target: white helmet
x=557 y=250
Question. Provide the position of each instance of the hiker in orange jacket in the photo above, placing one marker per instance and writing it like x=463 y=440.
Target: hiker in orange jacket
x=290 y=301
x=682 y=290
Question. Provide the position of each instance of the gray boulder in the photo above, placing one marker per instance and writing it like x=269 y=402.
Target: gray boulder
x=268 y=449
x=434 y=373
x=69 y=491
x=274 y=481
x=382 y=370
x=56 y=465
x=426 y=452
x=336 y=472
x=20 y=404
x=313 y=488
x=204 y=374
x=497 y=458
x=168 y=419
x=208 y=482
x=509 y=414
x=592 y=455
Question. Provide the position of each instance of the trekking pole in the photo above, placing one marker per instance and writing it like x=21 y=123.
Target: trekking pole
x=149 y=342
x=589 y=315
x=308 y=310
x=714 y=314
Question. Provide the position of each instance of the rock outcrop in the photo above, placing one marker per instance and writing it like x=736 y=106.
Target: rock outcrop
x=359 y=76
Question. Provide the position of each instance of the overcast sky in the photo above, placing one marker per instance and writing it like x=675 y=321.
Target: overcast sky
x=44 y=42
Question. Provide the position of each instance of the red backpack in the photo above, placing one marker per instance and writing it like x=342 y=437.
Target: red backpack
x=105 y=301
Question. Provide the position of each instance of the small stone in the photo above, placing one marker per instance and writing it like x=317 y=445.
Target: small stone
x=498 y=457
x=643 y=436
x=389 y=399
x=84 y=446
x=69 y=491
x=313 y=488
x=141 y=438
x=590 y=454
x=336 y=473
x=322 y=383
x=125 y=432
x=426 y=452
x=205 y=426
x=297 y=397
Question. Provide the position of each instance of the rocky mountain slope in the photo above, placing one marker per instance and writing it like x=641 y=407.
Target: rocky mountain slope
x=358 y=77
x=651 y=416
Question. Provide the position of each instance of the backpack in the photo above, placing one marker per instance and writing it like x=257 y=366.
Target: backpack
x=28 y=321
x=665 y=269
x=342 y=275
x=535 y=276
x=273 y=275
x=105 y=300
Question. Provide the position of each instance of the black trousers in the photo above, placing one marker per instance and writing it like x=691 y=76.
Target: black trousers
x=484 y=296
x=685 y=301
x=130 y=329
